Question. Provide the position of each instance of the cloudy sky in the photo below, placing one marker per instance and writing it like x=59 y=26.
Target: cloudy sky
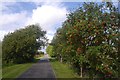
x=49 y=14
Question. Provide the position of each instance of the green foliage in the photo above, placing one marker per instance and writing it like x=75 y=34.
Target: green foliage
x=21 y=45
x=0 y=46
x=41 y=52
x=49 y=50
x=88 y=39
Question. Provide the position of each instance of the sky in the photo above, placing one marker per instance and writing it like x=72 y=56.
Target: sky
x=49 y=14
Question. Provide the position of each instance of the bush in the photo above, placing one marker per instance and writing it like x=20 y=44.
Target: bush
x=21 y=45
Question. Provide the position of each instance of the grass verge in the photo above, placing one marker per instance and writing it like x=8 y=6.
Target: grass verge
x=62 y=70
x=15 y=70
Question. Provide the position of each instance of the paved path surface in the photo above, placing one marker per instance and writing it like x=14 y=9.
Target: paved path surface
x=42 y=69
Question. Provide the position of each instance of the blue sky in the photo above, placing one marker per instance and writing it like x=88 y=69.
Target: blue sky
x=19 y=6
x=29 y=6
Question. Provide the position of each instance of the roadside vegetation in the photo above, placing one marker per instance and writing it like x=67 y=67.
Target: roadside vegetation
x=39 y=55
x=63 y=70
x=21 y=46
x=88 y=40
x=15 y=70
x=0 y=59
x=20 y=50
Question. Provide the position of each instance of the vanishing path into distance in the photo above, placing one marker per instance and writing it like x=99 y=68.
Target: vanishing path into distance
x=41 y=69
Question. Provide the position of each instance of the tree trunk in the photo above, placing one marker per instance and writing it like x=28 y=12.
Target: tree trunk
x=81 y=75
x=61 y=60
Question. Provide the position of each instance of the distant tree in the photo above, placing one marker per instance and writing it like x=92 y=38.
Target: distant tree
x=41 y=53
x=0 y=50
x=21 y=45
x=49 y=50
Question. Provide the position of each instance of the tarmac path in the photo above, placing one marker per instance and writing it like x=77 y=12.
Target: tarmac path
x=41 y=69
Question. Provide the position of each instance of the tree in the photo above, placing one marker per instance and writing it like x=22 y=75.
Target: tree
x=90 y=33
x=21 y=45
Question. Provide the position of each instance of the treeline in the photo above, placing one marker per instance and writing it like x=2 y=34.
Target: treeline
x=89 y=39
x=21 y=45
x=0 y=59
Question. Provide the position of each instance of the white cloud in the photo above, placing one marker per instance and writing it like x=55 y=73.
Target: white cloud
x=50 y=37
x=49 y=16
x=13 y=21
x=2 y=33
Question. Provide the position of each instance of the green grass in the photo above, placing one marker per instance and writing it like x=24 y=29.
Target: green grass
x=15 y=70
x=63 y=70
